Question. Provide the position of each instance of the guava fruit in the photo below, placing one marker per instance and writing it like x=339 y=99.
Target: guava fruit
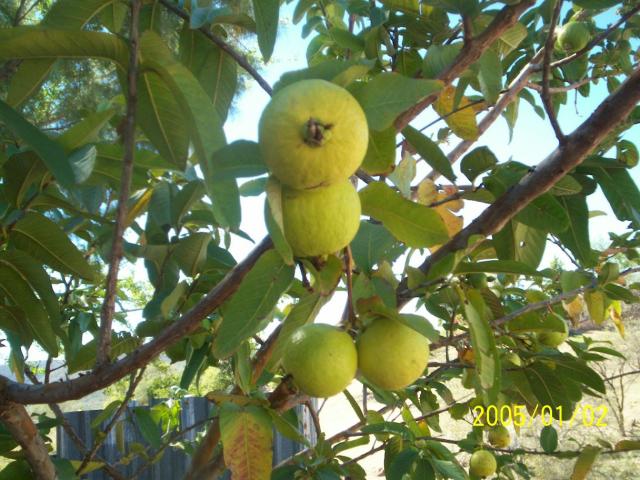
x=391 y=355
x=322 y=359
x=499 y=437
x=553 y=339
x=321 y=220
x=574 y=36
x=313 y=133
x=512 y=358
x=482 y=463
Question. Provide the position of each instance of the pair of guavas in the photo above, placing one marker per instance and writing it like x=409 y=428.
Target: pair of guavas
x=323 y=359
x=313 y=136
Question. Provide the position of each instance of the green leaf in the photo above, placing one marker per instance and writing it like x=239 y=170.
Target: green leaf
x=68 y=14
x=371 y=245
x=449 y=469
x=85 y=358
x=549 y=439
x=148 y=427
x=429 y=151
x=477 y=161
x=247 y=436
x=302 y=313
x=381 y=152
x=274 y=220
x=43 y=239
x=585 y=461
x=389 y=94
x=18 y=285
x=21 y=173
x=576 y=236
x=82 y=161
x=50 y=152
x=439 y=57
x=536 y=322
x=193 y=366
x=549 y=389
x=621 y=192
x=184 y=200
x=420 y=325
x=267 y=13
x=413 y=224
x=37 y=43
x=216 y=71
x=498 y=266
x=510 y=39
x=340 y=72
x=85 y=131
x=596 y=4
x=578 y=370
x=105 y=414
x=490 y=76
x=521 y=243
x=253 y=301
x=484 y=346
x=402 y=464
x=545 y=213
x=191 y=253
x=241 y=158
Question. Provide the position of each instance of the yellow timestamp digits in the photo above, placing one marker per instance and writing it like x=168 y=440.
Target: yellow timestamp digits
x=587 y=415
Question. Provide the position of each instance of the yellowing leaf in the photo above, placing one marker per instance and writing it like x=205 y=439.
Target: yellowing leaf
x=427 y=194
x=596 y=306
x=585 y=462
x=615 y=313
x=247 y=437
x=463 y=122
x=574 y=309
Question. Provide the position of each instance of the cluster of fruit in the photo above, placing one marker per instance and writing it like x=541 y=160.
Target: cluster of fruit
x=313 y=136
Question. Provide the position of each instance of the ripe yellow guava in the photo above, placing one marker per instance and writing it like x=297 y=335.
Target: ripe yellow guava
x=482 y=463
x=322 y=359
x=391 y=355
x=553 y=339
x=499 y=437
x=321 y=220
x=574 y=36
x=313 y=133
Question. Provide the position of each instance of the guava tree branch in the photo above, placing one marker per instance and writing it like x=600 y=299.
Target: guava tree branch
x=17 y=421
x=562 y=160
x=471 y=51
x=129 y=140
x=228 y=49
x=189 y=322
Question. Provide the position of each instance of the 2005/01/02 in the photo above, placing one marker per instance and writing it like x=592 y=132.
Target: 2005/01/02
x=506 y=415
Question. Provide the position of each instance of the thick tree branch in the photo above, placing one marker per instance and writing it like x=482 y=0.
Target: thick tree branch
x=561 y=161
x=17 y=421
x=189 y=322
x=129 y=140
x=471 y=52
x=238 y=57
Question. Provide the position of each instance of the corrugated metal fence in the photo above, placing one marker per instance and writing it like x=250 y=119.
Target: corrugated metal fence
x=174 y=462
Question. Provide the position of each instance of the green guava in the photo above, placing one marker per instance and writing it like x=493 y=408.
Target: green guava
x=512 y=358
x=574 y=36
x=391 y=355
x=553 y=339
x=499 y=437
x=482 y=463
x=321 y=220
x=313 y=133
x=322 y=359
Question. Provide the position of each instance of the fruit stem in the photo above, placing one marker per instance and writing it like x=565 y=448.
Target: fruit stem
x=316 y=133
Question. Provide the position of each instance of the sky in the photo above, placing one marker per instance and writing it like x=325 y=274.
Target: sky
x=533 y=140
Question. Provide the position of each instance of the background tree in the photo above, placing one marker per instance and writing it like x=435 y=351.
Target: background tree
x=113 y=153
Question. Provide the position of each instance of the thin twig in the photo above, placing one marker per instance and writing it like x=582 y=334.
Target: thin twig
x=129 y=139
x=546 y=73
x=348 y=266
x=238 y=57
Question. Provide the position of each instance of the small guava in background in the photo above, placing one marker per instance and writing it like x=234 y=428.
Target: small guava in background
x=499 y=436
x=313 y=133
x=322 y=359
x=391 y=355
x=554 y=339
x=482 y=464
x=322 y=220
x=574 y=36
